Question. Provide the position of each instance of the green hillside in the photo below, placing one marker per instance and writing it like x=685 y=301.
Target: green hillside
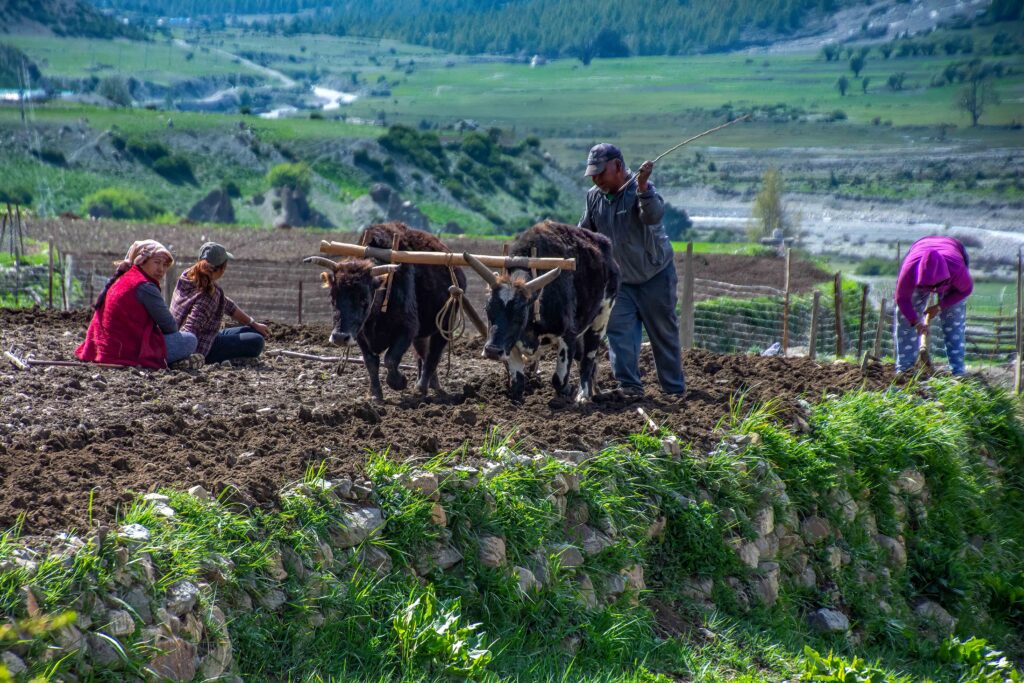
x=63 y=18
x=602 y=28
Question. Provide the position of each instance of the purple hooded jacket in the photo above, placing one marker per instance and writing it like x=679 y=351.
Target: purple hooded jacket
x=938 y=265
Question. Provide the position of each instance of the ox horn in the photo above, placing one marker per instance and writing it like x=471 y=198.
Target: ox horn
x=538 y=283
x=386 y=269
x=483 y=271
x=321 y=261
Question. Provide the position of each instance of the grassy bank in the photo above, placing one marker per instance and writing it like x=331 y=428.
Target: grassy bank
x=625 y=565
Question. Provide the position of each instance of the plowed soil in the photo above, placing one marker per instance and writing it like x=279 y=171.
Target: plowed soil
x=69 y=431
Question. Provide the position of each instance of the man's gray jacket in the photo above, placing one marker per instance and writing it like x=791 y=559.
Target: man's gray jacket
x=633 y=223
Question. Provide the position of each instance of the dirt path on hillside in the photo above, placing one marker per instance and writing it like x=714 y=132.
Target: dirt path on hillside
x=66 y=433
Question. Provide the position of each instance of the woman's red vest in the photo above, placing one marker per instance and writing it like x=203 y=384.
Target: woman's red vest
x=121 y=331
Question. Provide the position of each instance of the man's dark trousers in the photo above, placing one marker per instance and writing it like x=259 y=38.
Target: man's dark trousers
x=653 y=305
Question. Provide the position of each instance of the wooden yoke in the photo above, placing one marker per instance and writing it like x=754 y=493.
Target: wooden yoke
x=441 y=258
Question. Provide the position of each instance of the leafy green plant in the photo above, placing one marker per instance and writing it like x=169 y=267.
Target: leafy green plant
x=976 y=662
x=835 y=669
x=429 y=633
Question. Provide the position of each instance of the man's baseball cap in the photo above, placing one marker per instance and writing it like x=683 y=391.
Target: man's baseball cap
x=214 y=254
x=600 y=154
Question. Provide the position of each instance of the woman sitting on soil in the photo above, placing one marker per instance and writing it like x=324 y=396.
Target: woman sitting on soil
x=933 y=265
x=132 y=324
x=199 y=304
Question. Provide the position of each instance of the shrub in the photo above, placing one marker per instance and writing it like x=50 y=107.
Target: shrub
x=116 y=202
x=231 y=189
x=15 y=195
x=296 y=176
x=51 y=156
x=422 y=149
x=115 y=89
x=481 y=149
x=174 y=168
x=147 y=151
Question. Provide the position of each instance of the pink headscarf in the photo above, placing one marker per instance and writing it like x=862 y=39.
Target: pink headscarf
x=143 y=250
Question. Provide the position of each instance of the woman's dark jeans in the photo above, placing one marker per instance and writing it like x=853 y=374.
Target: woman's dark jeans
x=235 y=342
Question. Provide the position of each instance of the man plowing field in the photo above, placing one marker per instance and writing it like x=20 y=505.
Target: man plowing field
x=628 y=211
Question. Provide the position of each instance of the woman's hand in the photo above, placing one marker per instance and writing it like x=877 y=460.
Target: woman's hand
x=261 y=328
x=932 y=311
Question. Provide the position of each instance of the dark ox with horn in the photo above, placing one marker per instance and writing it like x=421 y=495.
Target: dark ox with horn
x=417 y=296
x=573 y=311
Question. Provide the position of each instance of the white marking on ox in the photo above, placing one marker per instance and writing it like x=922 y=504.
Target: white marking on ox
x=601 y=319
x=564 y=358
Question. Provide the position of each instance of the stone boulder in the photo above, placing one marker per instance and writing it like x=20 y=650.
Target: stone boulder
x=827 y=620
x=358 y=525
x=386 y=204
x=215 y=207
x=291 y=208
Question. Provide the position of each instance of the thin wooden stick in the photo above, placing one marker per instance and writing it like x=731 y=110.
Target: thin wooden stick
x=785 y=302
x=863 y=312
x=73 y=363
x=49 y=272
x=442 y=258
x=1018 y=377
x=686 y=328
x=658 y=158
x=876 y=350
x=840 y=348
x=812 y=350
x=325 y=359
x=390 y=281
x=474 y=317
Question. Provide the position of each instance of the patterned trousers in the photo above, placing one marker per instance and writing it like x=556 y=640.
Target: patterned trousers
x=954 y=323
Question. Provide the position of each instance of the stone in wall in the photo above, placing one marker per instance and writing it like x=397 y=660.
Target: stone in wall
x=492 y=551
x=359 y=523
x=826 y=620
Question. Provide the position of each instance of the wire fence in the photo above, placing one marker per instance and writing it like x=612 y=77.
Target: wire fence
x=736 y=318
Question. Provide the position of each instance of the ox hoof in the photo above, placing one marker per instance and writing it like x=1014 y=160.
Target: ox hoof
x=397 y=381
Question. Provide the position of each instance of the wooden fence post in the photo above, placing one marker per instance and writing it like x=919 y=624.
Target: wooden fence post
x=863 y=312
x=1018 y=379
x=876 y=351
x=838 y=286
x=785 y=302
x=686 y=311
x=812 y=352
x=999 y=326
x=49 y=272
x=67 y=265
x=299 y=310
